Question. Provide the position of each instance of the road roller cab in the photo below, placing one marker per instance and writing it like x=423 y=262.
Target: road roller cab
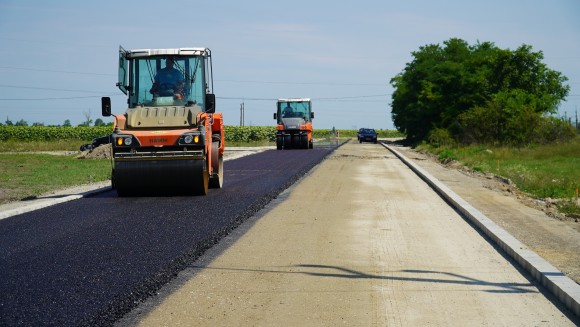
x=294 y=128
x=170 y=140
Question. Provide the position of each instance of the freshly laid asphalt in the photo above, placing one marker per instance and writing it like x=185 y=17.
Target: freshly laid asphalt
x=89 y=261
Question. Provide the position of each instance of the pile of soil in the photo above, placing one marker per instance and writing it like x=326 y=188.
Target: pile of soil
x=103 y=151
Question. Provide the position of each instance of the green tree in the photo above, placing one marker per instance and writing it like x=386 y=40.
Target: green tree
x=21 y=122
x=8 y=122
x=442 y=83
x=66 y=123
x=99 y=122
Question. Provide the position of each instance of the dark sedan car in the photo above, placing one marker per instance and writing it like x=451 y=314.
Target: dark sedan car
x=367 y=135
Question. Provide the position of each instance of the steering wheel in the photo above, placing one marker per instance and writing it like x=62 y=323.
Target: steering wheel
x=166 y=86
x=166 y=89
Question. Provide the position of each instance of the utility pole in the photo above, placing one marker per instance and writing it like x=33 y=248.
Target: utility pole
x=577 y=127
x=242 y=114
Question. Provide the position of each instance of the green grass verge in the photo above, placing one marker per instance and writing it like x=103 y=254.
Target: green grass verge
x=28 y=175
x=547 y=171
x=12 y=145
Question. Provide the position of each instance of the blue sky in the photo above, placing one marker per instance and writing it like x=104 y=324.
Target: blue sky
x=58 y=57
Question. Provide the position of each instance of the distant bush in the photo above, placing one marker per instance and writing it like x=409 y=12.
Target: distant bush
x=440 y=137
x=517 y=127
x=52 y=133
x=250 y=133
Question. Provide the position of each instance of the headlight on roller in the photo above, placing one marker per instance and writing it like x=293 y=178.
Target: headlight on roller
x=190 y=139
x=124 y=140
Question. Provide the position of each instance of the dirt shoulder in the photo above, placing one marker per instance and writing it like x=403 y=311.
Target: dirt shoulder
x=535 y=223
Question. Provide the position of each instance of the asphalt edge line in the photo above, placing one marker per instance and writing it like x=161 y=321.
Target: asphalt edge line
x=48 y=203
x=563 y=287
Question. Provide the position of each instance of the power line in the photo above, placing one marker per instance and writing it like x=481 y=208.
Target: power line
x=245 y=98
x=354 y=97
x=47 y=89
x=314 y=99
x=223 y=98
x=217 y=80
x=301 y=83
x=55 y=71
x=62 y=98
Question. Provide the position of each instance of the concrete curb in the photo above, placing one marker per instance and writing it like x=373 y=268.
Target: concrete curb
x=565 y=289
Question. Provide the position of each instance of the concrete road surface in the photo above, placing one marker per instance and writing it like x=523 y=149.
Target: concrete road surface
x=360 y=241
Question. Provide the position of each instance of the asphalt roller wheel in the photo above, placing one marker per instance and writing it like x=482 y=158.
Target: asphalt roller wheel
x=287 y=141
x=200 y=178
x=160 y=177
x=217 y=163
x=296 y=141
x=304 y=141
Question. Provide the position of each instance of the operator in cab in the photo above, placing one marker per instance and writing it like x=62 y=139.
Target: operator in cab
x=169 y=81
x=288 y=111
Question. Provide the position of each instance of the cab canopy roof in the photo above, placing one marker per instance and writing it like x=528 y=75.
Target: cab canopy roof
x=294 y=100
x=163 y=52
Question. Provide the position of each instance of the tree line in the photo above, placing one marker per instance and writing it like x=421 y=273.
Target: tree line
x=479 y=93
x=87 y=123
